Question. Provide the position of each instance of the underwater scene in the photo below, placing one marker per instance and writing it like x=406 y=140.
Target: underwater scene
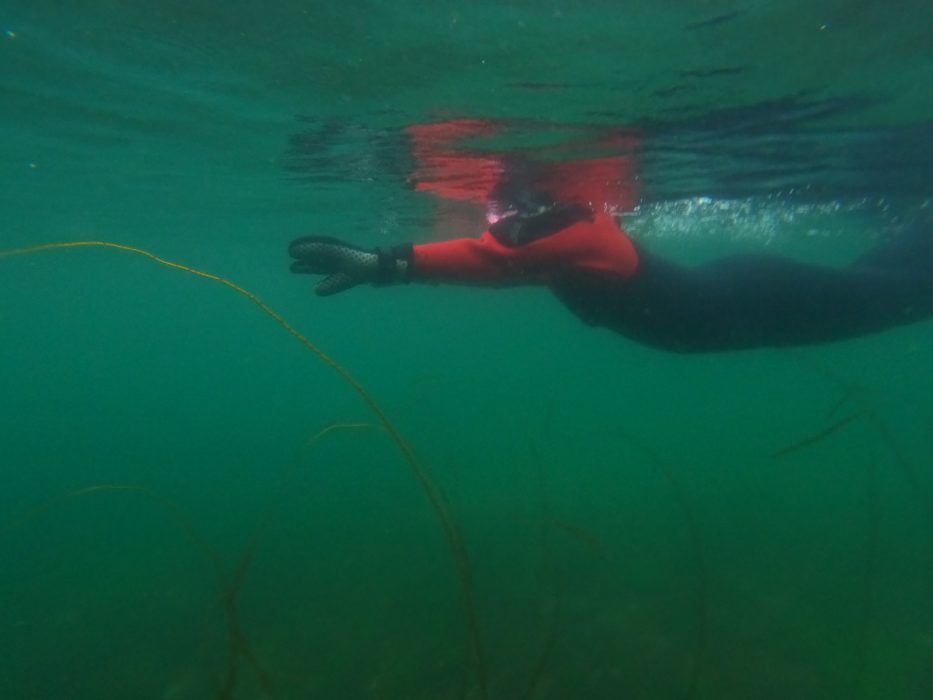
x=474 y=484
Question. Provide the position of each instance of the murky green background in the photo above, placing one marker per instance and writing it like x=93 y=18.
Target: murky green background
x=169 y=530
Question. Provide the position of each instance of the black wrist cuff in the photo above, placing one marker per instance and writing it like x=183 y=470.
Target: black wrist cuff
x=394 y=264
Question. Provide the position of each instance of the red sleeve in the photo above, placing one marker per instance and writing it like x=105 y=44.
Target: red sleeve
x=596 y=247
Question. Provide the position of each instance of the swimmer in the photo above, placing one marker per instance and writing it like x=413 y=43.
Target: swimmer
x=591 y=265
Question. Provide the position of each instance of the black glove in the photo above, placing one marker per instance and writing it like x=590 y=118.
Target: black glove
x=346 y=265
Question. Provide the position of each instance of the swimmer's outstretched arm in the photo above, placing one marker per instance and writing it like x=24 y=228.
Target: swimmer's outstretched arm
x=536 y=250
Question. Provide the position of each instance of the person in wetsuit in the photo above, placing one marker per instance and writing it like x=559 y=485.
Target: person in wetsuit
x=608 y=280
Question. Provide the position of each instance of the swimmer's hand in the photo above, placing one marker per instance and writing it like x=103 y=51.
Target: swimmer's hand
x=347 y=265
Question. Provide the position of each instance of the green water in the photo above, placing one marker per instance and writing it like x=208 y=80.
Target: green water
x=631 y=532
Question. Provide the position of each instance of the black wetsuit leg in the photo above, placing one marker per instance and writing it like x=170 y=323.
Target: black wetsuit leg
x=757 y=301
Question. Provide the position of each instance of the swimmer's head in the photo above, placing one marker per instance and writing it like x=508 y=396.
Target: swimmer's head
x=511 y=199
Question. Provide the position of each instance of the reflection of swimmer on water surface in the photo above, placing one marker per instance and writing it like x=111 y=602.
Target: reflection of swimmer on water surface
x=553 y=224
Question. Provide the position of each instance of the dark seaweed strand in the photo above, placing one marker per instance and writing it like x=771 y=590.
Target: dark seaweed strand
x=237 y=642
x=820 y=436
x=699 y=561
x=870 y=574
x=547 y=562
x=906 y=466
